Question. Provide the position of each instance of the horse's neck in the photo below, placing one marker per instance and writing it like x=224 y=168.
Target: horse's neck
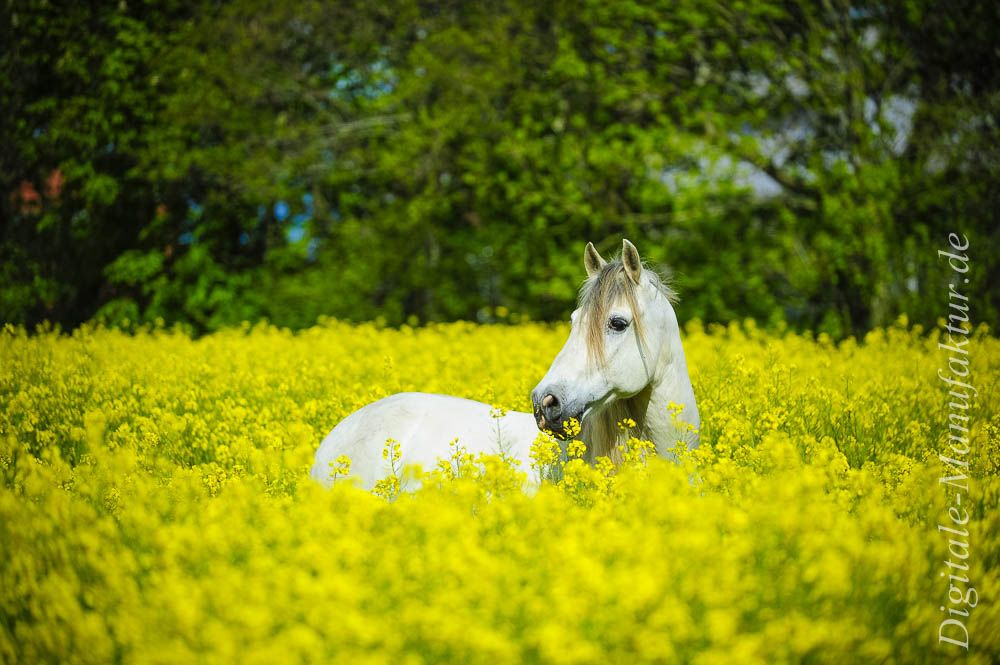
x=673 y=384
x=648 y=408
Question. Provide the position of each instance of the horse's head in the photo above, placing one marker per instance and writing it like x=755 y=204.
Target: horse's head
x=618 y=337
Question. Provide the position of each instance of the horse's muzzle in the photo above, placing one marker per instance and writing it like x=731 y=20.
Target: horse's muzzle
x=550 y=409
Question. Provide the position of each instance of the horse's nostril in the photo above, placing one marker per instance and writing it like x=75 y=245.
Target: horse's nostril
x=551 y=408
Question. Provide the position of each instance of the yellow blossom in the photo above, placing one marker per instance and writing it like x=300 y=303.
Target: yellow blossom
x=155 y=503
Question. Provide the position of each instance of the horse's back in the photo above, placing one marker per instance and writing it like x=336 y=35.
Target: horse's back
x=424 y=425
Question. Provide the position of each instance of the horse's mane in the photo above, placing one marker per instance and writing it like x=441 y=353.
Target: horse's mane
x=603 y=436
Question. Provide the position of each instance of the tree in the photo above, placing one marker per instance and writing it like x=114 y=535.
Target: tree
x=791 y=161
x=79 y=93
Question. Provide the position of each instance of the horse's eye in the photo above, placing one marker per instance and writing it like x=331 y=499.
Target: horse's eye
x=617 y=323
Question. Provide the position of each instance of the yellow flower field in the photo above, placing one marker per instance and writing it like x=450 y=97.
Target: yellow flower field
x=156 y=506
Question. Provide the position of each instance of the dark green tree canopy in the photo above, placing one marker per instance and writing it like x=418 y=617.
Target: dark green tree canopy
x=789 y=161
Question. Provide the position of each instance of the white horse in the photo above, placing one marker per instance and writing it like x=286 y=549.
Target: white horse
x=623 y=359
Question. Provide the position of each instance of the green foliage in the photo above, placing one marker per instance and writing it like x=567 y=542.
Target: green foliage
x=796 y=162
x=79 y=93
x=196 y=290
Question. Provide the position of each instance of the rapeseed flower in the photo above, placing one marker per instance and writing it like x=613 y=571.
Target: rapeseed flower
x=155 y=504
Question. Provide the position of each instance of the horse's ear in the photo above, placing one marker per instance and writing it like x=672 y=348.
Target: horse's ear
x=592 y=260
x=631 y=261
